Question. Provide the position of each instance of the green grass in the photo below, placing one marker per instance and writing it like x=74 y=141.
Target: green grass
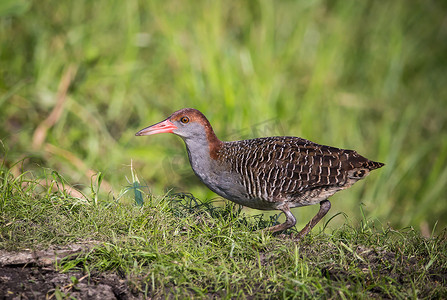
x=179 y=246
x=79 y=78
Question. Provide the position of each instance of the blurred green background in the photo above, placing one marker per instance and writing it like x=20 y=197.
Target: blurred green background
x=79 y=78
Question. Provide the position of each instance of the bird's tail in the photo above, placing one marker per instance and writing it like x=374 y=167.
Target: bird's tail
x=372 y=165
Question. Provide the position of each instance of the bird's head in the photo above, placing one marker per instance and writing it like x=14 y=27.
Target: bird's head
x=187 y=123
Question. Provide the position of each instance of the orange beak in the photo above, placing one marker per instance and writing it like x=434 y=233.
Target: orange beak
x=161 y=127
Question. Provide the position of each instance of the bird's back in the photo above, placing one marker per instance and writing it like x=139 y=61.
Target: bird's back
x=293 y=169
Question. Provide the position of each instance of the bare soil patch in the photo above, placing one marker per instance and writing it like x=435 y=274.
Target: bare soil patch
x=31 y=275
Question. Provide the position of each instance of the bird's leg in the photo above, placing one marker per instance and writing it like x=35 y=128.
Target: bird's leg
x=290 y=220
x=325 y=205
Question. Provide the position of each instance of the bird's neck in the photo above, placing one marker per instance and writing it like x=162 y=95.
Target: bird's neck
x=202 y=152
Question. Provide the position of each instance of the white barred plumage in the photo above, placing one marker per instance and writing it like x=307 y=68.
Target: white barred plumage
x=266 y=173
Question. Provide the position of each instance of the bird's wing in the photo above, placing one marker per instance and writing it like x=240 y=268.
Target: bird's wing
x=297 y=164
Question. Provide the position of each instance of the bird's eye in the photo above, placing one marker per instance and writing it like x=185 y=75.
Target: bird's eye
x=184 y=120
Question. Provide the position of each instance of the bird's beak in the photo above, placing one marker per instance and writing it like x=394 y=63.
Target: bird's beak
x=161 y=127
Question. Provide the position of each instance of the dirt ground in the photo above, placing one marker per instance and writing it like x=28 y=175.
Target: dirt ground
x=31 y=275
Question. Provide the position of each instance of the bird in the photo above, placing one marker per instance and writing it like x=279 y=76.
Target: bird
x=267 y=173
